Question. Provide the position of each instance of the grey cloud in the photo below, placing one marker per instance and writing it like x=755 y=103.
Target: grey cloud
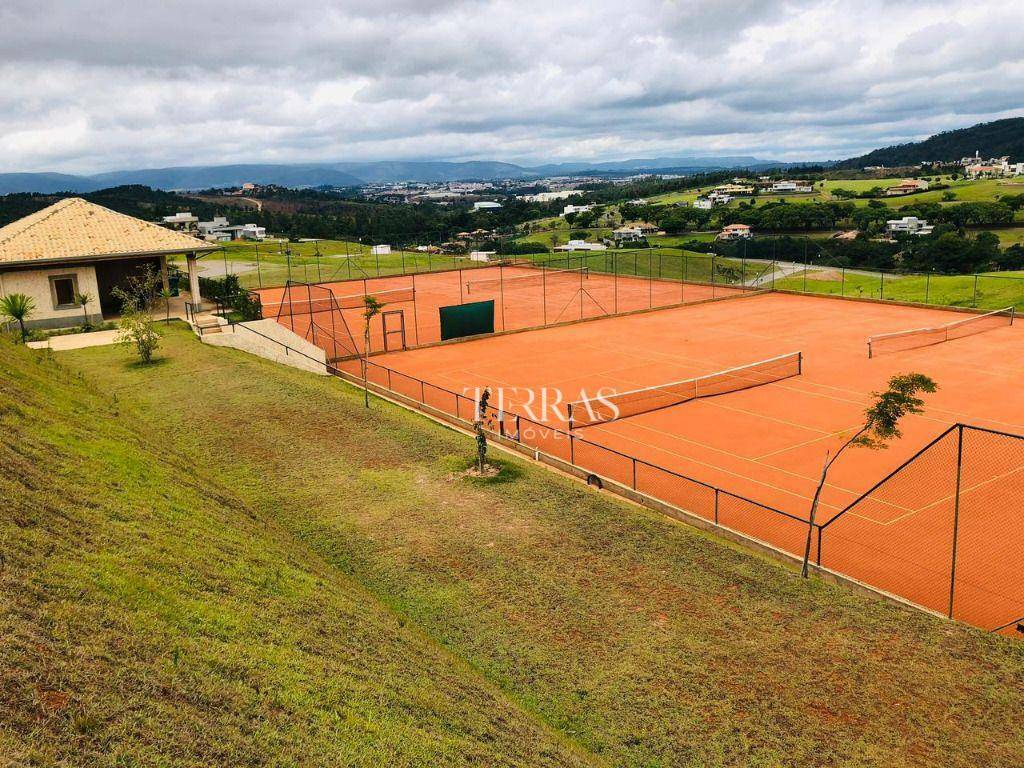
x=101 y=84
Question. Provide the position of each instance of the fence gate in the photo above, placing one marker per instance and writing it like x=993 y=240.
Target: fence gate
x=394 y=329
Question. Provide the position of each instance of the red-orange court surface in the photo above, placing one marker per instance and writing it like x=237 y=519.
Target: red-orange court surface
x=767 y=444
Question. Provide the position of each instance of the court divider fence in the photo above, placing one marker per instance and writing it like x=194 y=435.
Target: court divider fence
x=527 y=294
x=944 y=531
x=279 y=265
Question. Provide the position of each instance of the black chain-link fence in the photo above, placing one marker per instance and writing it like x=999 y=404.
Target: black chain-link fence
x=944 y=531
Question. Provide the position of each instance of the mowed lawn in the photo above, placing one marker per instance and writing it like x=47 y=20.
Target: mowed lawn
x=997 y=290
x=636 y=640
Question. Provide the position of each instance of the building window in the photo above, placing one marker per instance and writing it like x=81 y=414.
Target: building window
x=64 y=290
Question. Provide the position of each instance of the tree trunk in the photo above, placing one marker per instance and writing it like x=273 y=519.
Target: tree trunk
x=366 y=365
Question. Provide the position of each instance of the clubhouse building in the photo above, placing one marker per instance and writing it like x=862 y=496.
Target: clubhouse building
x=74 y=248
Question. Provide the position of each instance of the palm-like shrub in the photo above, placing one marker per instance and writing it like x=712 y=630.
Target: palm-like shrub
x=17 y=307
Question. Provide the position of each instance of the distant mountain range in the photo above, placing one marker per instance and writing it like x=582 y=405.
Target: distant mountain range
x=995 y=139
x=355 y=174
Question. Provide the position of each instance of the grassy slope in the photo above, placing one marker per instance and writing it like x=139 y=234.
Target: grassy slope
x=644 y=641
x=149 y=617
x=997 y=290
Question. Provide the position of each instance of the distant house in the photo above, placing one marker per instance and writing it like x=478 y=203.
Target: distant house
x=644 y=227
x=485 y=205
x=735 y=189
x=380 y=250
x=576 y=209
x=183 y=221
x=907 y=187
x=736 y=232
x=221 y=230
x=704 y=203
x=76 y=248
x=627 y=234
x=581 y=245
x=791 y=187
x=909 y=225
x=210 y=228
x=850 y=234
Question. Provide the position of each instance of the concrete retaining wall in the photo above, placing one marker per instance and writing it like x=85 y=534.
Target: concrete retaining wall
x=271 y=340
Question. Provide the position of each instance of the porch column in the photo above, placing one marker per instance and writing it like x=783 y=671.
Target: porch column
x=163 y=274
x=193 y=281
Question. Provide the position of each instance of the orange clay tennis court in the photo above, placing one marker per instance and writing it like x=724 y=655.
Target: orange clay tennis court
x=524 y=297
x=766 y=444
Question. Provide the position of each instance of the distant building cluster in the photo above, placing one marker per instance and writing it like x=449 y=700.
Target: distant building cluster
x=976 y=168
x=217 y=230
x=547 y=197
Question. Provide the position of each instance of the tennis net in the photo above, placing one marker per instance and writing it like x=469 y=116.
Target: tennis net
x=923 y=337
x=600 y=410
x=543 y=277
x=333 y=303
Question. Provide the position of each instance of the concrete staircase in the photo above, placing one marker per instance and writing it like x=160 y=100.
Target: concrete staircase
x=207 y=324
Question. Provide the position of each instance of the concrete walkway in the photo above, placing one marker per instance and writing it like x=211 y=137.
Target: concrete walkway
x=76 y=341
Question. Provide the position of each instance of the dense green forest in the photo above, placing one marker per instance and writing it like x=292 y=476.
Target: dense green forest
x=995 y=139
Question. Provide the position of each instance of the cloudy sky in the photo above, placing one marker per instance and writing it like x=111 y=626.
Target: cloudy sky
x=93 y=86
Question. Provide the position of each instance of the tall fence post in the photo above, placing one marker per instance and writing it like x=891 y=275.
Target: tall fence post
x=956 y=514
x=974 y=301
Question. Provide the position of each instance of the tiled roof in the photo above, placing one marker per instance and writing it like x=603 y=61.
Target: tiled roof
x=74 y=228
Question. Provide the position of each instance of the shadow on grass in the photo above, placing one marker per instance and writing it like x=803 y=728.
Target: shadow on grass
x=138 y=365
x=459 y=467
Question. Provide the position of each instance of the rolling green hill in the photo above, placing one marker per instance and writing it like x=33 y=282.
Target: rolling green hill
x=995 y=139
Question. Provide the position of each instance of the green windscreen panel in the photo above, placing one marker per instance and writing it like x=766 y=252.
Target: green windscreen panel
x=460 y=320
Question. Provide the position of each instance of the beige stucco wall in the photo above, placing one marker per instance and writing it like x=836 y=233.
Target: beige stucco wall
x=36 y=283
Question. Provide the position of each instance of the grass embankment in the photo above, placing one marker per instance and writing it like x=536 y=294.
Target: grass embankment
x=995 y=291
x=151 y=617
x=643 y=641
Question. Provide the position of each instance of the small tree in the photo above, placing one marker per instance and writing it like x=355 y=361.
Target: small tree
x=18 y=307
x=881 y=424
x=478 y=427
x=136 y=327
x=136 y=330
x=371 y=308
x=83 y=300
